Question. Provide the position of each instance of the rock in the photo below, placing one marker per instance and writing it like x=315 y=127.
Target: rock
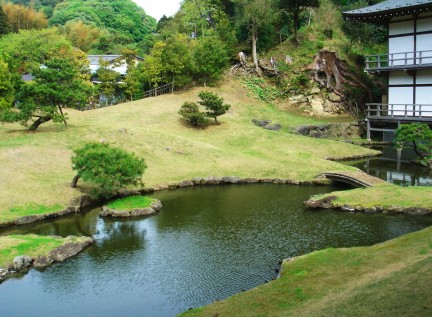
x=141 y=212
x=317 y=134
x=212 y=180
x=21 y=262
x=275 y=127
x=261 y=123
x=156 y=205
x=173 y=185
x=347 y=208
x=186 y=183
x=29 y=219
x=315 y=90
x=231 y=179
x=250 y=180
x=69 y=249
x=371 y=210
x=198 y=180
x=113 y=212
x=3 y=273
x=325 y=202
x=43 y=261
x=123 y=130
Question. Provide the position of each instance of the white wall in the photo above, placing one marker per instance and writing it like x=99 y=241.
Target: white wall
x=400 y=78
x=424 y=98
x=398 y=46
x=399 y=97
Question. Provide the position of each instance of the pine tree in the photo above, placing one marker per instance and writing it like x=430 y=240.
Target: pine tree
x=5 y=26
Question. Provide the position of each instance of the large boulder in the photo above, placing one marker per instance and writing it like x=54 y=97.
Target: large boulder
x=21 y=262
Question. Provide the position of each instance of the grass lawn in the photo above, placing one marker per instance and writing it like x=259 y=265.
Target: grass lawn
x=384 y=195
x=36 y=167
x=31 y=245
x=131 y=202
x=387 y=279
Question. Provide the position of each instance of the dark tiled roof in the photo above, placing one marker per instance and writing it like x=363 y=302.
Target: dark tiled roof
x=386 y=9
x=94 y=59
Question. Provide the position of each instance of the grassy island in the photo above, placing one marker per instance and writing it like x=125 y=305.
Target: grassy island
x=131 y=202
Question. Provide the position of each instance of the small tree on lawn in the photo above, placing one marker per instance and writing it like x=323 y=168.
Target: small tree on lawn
x=61 y=82
x=190 y=111
x=214 y=105
x=109 y=167
x=419 y=136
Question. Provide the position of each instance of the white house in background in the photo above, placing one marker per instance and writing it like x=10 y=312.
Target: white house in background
x=117 y=62
x=407 y=64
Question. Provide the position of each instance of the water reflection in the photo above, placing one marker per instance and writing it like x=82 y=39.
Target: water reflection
x=394 y=167
x=207 y=243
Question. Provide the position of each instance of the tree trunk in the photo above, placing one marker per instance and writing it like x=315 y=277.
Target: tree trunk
x=216 y=121
x=38 y=122
x=75 y=181
x=254 y=46
x=295 y=21
x=63 y=117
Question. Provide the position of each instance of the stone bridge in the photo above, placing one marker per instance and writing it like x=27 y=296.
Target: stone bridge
x=354 y=178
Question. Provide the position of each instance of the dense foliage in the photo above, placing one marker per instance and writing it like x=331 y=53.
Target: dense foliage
x=109 y=167
x=60 y=77
x=214 y=104
x=127 y=23
x=418 y=135
x=190 y=111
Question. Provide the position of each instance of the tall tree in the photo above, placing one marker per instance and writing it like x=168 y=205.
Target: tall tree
x=256 y=14
x=5 y=26
x=293 y=9
x=57 y=84
x=24 y=18
x=109 y=79
x=6 y=86
x=210 y=57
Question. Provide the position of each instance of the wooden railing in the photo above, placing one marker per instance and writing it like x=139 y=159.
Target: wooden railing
x=165 y=89
x=409 y=111
x=398 y=59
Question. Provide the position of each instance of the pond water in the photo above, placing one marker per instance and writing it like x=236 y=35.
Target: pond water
x=206 y=243
x=393 y=170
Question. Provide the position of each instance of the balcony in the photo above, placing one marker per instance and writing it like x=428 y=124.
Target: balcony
x=399 y=112
x=399 y=61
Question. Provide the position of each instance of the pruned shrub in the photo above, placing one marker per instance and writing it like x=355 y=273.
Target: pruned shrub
x=190 y=111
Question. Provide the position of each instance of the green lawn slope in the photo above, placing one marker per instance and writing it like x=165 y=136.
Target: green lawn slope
x=387 y=279
x=36 y=167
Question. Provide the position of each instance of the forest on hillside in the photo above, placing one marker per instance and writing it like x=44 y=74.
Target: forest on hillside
x=277 y=40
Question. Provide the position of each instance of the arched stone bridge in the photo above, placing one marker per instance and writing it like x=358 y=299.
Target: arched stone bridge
x=354 y=178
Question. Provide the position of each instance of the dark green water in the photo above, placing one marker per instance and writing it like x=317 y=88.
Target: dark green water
x=207 y=243
x=388 y=168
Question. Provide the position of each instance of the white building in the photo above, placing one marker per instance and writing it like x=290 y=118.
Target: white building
x=407 y=64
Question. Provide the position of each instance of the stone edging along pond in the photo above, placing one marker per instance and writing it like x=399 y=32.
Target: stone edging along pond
x=58 y=254
x=327 y=203
x=82 y=201
x=154 y=207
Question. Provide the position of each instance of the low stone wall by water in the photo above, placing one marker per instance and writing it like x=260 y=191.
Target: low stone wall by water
x=21 y=263
x=328 y=202
x=155 y=206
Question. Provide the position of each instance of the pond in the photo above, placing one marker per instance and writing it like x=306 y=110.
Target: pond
x=393 y=170
x=207 y=243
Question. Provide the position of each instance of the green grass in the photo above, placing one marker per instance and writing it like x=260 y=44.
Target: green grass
x=385 y=195
x=387 y=279
x=36 y=166
x=29 y=209
x=30 y=245
x=131 y=202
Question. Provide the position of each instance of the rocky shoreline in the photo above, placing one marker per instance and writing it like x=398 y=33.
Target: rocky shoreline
x=154 y=207
x=328 y=202
x=21 y=263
